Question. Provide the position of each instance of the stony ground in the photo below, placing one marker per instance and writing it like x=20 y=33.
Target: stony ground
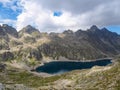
x=96 y=78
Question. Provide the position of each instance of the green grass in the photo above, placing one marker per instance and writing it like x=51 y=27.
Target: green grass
x=108 y=79
x=27 y=79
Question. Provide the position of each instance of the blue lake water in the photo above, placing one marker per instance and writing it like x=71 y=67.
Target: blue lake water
x=59 y=67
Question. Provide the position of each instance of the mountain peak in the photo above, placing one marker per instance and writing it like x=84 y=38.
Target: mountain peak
x=93 y=28
x=104 y=29
x=68 y=31
x=5 y=25
x=29 y=26
x=9 y=30
x=29 y=29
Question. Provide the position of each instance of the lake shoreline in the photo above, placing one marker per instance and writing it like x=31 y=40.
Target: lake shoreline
x=61 y=66
x=44 y=62
x=48 y=75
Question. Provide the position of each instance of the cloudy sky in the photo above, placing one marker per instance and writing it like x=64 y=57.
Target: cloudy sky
x=58 y=15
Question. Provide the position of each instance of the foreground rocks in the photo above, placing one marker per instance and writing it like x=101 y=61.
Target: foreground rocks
x=2 y=86
x=96 y=78
x=14 y=87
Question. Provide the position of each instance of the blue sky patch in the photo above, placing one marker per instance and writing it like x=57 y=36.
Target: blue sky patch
x=114 y=28
x=8 y=13
x=57 y=13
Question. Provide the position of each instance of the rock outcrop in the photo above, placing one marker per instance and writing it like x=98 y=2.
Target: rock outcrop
x=93 y=43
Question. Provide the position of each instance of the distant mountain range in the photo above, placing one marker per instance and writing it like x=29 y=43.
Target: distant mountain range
x=30 y=43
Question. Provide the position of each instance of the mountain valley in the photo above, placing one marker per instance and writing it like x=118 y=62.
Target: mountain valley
x=22 y=51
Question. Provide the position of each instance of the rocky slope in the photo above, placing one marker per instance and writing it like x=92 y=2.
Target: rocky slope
x=30 y=43
x=29 y=47
x=96 y=78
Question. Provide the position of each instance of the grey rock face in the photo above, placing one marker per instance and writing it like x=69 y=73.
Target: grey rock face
x=10 y=30
x=2 y=86
x=35 y=33
x=93 y=43
x=6 y=56
x=2 y=33
x=14 y=87
x=17 y=87
x=29 y=29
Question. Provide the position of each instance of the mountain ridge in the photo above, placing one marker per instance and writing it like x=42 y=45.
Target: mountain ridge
x=94 y=43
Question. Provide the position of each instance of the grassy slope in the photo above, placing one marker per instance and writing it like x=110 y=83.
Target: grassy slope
x=97 y=78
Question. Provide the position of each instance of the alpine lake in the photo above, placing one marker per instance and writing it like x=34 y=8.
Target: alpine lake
x=60 y=67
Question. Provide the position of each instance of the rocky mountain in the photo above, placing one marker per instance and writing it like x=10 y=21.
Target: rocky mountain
x=90 y=44
x=10 y=30
x=29 y=30
x=29 y=43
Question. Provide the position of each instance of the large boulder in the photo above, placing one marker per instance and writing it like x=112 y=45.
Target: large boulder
x=6 y=56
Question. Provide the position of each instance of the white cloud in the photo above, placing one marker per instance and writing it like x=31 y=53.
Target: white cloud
x=35 y=14
x=76 y=13
x=4 y=1
x=8 y=21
